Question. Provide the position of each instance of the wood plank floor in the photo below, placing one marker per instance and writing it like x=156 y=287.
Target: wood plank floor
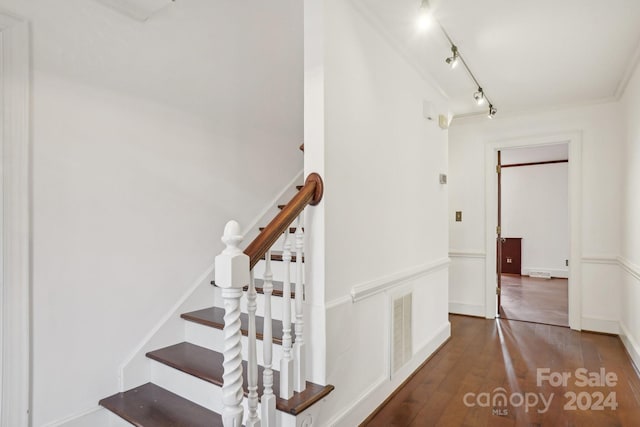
x=484 y=355
x=535 y=300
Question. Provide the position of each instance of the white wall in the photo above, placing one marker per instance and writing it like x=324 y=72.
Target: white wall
x=601 y=136
x=384 y=211
x=535 y=207
x=630 y=217
x=130 y=194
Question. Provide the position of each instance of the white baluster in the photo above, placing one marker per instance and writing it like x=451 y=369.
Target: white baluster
x=231 y=274
x=300 y=372
x=268 y=398
x=252 y=363
x=286 y=363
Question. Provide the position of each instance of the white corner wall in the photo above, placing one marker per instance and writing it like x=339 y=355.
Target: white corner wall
x=535 y=207
x=130 y=195
x=630 y=217
x=384 y=212
x=600 y=128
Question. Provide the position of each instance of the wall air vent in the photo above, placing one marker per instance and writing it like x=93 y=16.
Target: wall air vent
x=140 y=10
x=401 y=347
x=540 y=274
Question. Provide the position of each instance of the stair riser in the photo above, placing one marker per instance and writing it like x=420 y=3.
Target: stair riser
x=213 y=339
x=201 y=392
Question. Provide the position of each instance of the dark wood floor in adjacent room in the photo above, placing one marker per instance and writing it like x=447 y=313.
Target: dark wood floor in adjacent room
x=483 y=355
x=534 y=299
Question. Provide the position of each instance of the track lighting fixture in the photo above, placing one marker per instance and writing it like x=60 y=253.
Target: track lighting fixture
x=492 y=111
x=456 y=57
x=479 y=96
x=453 y=59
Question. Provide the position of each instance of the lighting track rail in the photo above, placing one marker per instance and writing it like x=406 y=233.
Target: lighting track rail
x=456 y=57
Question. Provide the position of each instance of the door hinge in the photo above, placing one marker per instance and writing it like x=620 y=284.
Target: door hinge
x=498 y=230
x=498 y=168
x=498 y=291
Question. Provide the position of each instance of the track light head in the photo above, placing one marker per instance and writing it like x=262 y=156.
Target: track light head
x=492 y=111
x=454 y=59
x=479 y=96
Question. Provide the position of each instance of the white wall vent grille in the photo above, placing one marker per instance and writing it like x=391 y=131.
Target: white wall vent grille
x=540 y=274
x=401 y=323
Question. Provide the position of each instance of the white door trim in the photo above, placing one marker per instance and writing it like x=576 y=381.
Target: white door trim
x=574 y=140
x=15 y=287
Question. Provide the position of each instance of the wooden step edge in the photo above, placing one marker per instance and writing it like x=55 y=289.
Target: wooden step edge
x=150 y=405
x=206 y=365
x=214 y=318
x=277 y=288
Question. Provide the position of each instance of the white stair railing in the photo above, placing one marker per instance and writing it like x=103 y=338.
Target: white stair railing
x=233 y=271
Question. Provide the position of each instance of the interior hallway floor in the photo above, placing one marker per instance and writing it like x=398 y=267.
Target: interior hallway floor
x=533 y=299
x=451 y=389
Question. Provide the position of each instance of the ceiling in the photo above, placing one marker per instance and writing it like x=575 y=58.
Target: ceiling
x=526 y=55
x=225 y=58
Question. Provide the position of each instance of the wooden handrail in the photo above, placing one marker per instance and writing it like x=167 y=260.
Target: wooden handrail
x=310 y=194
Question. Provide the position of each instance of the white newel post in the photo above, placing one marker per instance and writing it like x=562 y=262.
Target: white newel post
x=231 y=274
x=300 y=374
x=268 y=398
x=286 y=363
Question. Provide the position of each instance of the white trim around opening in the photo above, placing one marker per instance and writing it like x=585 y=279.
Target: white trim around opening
x=16 y=222
x=574 y=140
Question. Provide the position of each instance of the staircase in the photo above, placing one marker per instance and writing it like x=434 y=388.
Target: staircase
x=216 y=376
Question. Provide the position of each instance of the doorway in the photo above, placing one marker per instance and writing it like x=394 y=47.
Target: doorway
x=532 y=249
x=574 y=142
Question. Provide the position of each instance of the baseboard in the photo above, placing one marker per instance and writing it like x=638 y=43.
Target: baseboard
x=466 y=309
x=94 y=417
x=631 y=345
x=606 y=326
x=371 y=398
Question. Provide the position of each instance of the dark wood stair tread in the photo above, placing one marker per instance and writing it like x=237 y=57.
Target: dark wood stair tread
x=277 y=288
x=153 y=406
x=214 y=317
x=207 y=365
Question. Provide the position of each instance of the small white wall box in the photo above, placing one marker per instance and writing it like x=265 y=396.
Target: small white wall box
x=140 y=10
x=428 y=110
